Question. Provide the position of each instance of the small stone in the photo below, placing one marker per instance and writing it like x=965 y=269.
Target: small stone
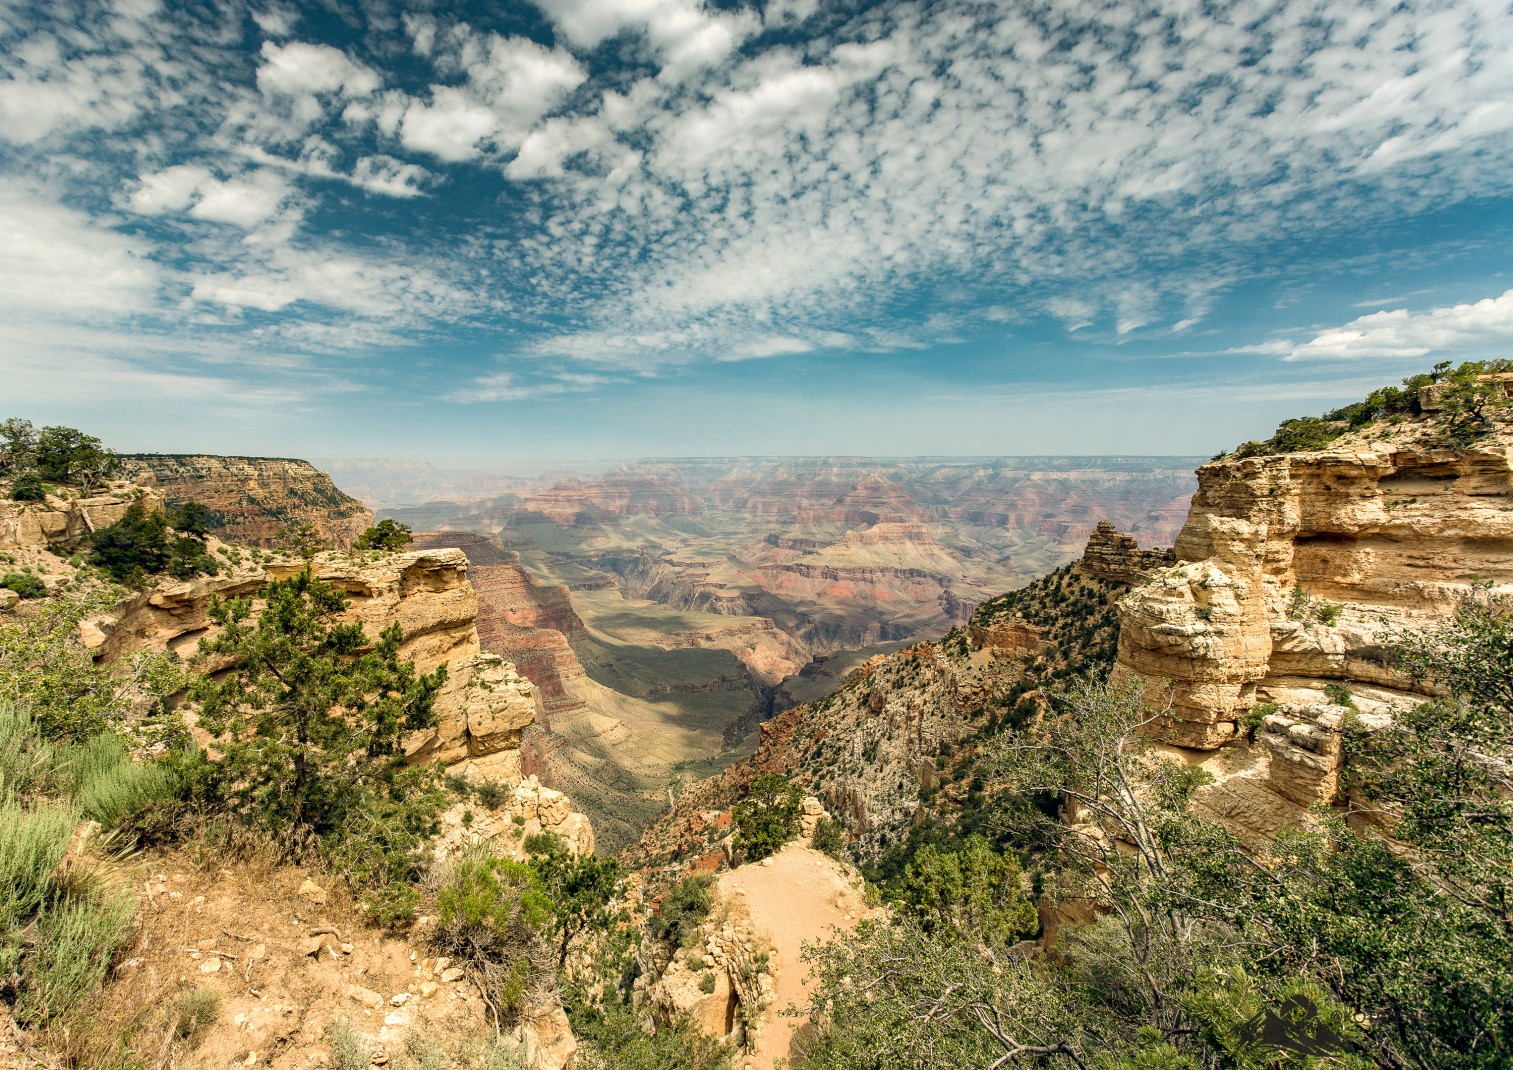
x=428 y=988
x=313 y=892
x=380 y=1058
x=260 y=951
x=399 y=999
x=441 y=963
x=451 y=974
x=311 y=945
x=251 y=1059
x=210 y=966
x=395 y=1019
x=366 y=996
x=346 y=949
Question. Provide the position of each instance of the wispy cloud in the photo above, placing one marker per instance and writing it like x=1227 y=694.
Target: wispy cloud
x=1475 y=329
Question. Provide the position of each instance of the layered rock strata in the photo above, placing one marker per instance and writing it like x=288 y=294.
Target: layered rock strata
x=63 y=523
x=253 y=498
x=1294 y=573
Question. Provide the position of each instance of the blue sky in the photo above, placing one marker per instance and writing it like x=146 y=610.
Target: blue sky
x=613 y=228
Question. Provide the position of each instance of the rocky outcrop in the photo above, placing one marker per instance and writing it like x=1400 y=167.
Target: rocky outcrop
x=1294 y=570
x=1113 y=556
x=528 y=810
x=63 y=523
x=253 y=497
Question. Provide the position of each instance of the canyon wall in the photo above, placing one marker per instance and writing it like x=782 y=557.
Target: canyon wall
x=1292 y=575
x=253 y=497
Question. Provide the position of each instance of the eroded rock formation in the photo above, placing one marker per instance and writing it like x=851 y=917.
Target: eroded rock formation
x=1293 y=574
x=65 y=522
x=253 y=497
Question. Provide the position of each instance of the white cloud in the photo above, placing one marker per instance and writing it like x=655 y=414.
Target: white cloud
x=300 y=69
x=244 y=200
x=58 y=262
x=684 y=32
x=508 y=386
x=511 y=83
x=1481 y=328
x=451 y=127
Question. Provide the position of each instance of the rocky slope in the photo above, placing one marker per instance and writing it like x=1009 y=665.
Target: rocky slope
x=894 y=747
x=63 y=523
x=253 y=497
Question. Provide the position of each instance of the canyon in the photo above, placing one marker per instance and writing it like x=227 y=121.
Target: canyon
x=665 y=609
x=252 y=498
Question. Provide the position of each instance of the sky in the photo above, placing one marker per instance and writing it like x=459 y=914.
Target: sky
x=474 y=233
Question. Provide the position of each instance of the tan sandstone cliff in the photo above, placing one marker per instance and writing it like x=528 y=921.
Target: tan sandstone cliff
x=482 y=709
x=1293 y=573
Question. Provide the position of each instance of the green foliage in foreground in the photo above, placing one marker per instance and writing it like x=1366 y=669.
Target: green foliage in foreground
x=580 y=888
x=494 y=918
x=767 y=817
x=973 y=892
x=47 y=674
x=310 y=725
x=76 y=941
x=1380 y=958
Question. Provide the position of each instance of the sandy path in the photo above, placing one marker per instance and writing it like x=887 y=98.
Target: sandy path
x=798 y=895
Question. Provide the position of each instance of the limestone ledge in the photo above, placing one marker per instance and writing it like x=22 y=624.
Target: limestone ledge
x=65 y=522
x=1294 y=573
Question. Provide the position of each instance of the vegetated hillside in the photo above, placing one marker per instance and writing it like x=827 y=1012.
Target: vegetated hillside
x=892 y=753
x=253 y=498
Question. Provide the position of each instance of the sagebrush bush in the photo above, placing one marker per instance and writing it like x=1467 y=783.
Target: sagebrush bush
x=109 y=786
x=493 y=918
x=33 y=840
x=76 y=941
x=26 y=762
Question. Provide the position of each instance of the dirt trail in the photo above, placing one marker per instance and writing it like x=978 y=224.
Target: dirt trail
x=798 y=895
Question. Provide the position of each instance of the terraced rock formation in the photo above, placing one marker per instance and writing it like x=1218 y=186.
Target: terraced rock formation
x=253 y=497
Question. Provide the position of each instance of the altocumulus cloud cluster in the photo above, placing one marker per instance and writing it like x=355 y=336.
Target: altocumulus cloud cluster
x=288 y=203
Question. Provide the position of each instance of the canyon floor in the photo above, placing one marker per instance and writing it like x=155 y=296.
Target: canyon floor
x=664 y=610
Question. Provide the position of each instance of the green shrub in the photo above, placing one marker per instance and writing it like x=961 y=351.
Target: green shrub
x=683 y=910
x=830 y=838
x=33 y=840
x=109 y=786
x=197 y=1008
x=385 y=535
x=28 y=487
x=350 y=1050
x=76 y=941
x=26 y=762
x=491 y=794
x=493 y=918
x=768 y=817
x=1339 y=695
x=25 y=584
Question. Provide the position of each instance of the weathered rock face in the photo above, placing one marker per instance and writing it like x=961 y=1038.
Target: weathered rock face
x=1294 y=570
x=253 y=497
x=1113 y=556
x=64 y=522
x=482 y=709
